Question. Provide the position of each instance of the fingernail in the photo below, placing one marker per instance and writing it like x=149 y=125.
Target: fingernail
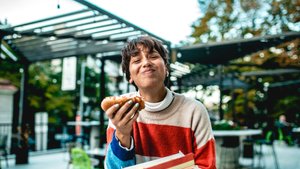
x=131 y=117
x=136 y=104
x=117 y=105
x=129 y=102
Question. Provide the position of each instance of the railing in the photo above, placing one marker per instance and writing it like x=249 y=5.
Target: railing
x=6 y=130
x=44 y=136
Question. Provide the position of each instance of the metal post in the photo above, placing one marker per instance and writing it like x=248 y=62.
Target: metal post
x=102 y=96
x=221 y=113
x=81 y=109
x=233 y=98
x=82 y=81
x=24 y=118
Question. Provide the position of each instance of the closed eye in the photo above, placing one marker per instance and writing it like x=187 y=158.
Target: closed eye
x=136 y=60
x=154 y=55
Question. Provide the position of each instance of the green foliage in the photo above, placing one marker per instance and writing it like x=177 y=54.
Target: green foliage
x=288 y=103
x=10 y=70
x=228 y=19
x=225 y=125
x=44 y=89
x=238 y=19
x=45 y=93
x=80 y=160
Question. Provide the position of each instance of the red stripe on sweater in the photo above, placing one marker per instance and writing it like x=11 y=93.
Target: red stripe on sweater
x=161 y=140
x=109 y=134
x=205 y=156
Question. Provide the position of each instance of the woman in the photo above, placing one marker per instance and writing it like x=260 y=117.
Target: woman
x=169 y=123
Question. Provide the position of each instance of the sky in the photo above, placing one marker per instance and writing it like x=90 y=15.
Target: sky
x=168 y=19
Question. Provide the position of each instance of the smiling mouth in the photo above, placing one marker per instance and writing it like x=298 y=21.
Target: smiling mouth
x=150 y=71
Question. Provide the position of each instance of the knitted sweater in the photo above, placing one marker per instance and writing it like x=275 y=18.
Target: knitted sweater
x=183 y=126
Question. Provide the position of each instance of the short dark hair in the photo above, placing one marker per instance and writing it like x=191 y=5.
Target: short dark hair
x=131 y=49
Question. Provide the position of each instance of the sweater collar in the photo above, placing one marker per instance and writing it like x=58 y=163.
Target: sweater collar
x=159 y=106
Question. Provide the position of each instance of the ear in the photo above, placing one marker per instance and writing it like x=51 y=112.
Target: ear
x=130 y=80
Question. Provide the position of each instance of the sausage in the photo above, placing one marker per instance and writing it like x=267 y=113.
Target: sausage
x=112 y=100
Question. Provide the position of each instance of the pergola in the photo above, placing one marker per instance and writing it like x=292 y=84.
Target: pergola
x=88 y=31
x=222 y=52
x=216 y=55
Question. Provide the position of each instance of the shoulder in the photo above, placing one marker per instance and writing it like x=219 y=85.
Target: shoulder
x=191 y=102
x=194 y=110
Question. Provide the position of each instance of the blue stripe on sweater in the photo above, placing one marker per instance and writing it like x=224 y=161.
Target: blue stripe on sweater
x=120 y=152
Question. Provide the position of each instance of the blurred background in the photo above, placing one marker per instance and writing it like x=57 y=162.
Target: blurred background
x=60 y=58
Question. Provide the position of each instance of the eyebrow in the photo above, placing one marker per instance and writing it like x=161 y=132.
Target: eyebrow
x=149 y=52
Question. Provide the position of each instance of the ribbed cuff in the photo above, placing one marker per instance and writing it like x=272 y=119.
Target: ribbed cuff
x=120 y=152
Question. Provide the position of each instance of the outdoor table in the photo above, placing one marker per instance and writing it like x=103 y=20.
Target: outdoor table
x=83 y=123
x=92 y=127
x=296 y=132
x=96 y=152
x=232 y=133
x=230 y=139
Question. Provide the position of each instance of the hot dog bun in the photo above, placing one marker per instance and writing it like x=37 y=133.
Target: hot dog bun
x=112 y=100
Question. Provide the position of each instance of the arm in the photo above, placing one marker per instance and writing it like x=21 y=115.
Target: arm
x=120 y=152
x=118 y=156
x=205 y=154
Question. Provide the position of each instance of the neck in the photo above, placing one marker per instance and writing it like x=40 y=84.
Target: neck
x=153 y=95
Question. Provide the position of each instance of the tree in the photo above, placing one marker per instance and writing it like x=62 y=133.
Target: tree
x=10 y=70
x=46 y=95
x=228 y=19
x=238 y=19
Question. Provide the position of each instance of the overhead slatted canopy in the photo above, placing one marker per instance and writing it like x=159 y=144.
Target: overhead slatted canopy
x=91 y=30
x=228 y=82
x=222 y=52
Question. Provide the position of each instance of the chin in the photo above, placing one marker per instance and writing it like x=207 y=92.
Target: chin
x=149 y=85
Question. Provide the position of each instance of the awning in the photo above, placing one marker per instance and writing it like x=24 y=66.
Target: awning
x=223 y=52
x=88 y=31
x=228 y=81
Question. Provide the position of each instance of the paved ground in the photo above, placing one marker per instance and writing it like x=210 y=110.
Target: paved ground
x=54 y=160
x=288 y=158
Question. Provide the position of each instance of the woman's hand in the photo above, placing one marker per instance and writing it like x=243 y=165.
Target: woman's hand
x=123 y=118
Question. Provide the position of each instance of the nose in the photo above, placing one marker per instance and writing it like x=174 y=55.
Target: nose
x=146 y=62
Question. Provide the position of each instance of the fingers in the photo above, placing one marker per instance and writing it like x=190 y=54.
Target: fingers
x=111 y=111
x=124 y=115
x=115 y=112
x=132 y=114
x=123 y=110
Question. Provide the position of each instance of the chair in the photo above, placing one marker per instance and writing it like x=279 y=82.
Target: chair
x=74 y=142
x=3 y=148
x=269 y=140
x=80 y=160
x=69 y=147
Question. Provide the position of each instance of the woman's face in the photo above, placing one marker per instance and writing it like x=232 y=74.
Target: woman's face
x=147 y=69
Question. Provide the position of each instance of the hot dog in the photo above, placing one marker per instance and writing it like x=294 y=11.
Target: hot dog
x=112 y=100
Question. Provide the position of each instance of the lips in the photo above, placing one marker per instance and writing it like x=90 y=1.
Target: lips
x=148 y=71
